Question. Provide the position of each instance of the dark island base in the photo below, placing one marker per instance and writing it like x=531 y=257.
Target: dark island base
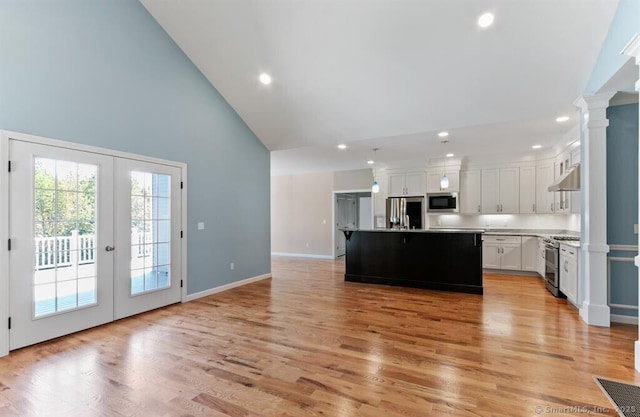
x=469 y=289
x=447 y=261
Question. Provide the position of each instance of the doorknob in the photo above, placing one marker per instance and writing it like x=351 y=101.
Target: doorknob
x=109 y=248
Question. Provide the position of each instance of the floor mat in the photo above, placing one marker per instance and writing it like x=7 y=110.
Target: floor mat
x=624 y=397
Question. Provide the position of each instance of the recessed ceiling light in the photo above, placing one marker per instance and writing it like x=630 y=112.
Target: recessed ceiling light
x=536 y=146
x=562 y=119
x=443 y=134
x=486 y=20
x=342 y=146
x=449 y=155
x=265 y=78
x=370 y=162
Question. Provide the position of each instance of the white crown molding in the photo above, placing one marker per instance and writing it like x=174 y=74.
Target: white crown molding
x=594 y=101
x=623 y=98
x=632 y=48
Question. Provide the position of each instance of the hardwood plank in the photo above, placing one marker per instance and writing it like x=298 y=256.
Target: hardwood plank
x=307 y=343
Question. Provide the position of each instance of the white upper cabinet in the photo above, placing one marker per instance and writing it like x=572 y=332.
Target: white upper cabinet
x=415 y=183
x=500 y=190
x=490 y=194
x=527 y=190
x=562 y=198
x=396 y=185
x=433 y=182
x=406 y=184
x=544 y=199
x=470 y=202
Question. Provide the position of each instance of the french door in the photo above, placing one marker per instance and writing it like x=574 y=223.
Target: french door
x=93 y=238
x=148 y=216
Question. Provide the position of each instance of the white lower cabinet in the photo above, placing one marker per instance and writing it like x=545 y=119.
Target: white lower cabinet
x=502 y=252
x=568 y=272
x=529 y=253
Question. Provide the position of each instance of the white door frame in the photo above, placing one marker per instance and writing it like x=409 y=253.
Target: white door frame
x=333 y=214
x=4 y=213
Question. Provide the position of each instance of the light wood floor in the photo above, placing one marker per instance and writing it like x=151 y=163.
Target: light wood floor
x=305 y=343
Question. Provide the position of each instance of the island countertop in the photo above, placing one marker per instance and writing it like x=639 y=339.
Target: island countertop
x=415 y=230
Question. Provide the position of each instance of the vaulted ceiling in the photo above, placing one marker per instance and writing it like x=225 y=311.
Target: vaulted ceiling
x=391 y=74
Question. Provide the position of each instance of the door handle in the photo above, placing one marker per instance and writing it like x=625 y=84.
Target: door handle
x=110 y=248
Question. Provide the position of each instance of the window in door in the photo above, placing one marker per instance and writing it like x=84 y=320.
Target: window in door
x=65 y=276
x=150 y=232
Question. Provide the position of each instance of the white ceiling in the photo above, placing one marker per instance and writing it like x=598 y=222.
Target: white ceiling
x=392 y=73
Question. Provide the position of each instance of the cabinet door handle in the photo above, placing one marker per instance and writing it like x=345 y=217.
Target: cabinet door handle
x=498 y=207
x=478 y=208
x=501 y=208
x=552 y=207
x=533 y=208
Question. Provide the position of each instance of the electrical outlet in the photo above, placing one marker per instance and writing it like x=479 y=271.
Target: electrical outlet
x=635 y=228
x=232 y=266
x=307 y=244
x=439 y=222
x=200 y=225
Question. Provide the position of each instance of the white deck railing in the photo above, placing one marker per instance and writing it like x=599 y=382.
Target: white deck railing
x=61 y=251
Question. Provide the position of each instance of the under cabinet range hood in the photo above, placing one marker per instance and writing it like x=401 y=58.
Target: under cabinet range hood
x=569 y=181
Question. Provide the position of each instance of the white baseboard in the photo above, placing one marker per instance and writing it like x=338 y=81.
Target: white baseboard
x=511 y=272
x=620 y=318
x=195 y=296
x=301 y=255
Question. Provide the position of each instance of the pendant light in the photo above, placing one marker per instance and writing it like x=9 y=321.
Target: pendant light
x=375 y=187
x=444 y=181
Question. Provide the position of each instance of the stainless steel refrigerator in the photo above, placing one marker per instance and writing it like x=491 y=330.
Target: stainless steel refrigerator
x=405 y=213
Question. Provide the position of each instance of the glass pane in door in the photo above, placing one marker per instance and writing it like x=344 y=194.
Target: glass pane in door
x=150 y=232
x=64 y=236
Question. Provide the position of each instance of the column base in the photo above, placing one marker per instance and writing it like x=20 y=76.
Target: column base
x=596 y=315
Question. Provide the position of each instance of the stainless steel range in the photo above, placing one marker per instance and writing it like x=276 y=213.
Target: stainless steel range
x=552 y=261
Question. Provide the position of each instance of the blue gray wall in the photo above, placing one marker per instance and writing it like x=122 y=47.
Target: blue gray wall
x=104 y=73
x=622 y=203
x=625 y=24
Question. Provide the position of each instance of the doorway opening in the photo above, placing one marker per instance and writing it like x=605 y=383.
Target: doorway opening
x=351 y=210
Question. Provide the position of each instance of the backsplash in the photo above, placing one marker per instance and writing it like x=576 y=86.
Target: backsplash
x=506 y=221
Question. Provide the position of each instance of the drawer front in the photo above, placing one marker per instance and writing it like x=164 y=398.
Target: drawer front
x=569 y=252
x=498 y=239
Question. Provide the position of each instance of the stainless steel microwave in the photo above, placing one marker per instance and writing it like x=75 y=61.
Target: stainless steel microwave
x=443 y=202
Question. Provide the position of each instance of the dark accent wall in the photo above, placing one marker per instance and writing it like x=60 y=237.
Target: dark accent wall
x=622 y=203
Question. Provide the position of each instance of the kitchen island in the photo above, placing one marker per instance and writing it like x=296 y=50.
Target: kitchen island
x=440 y=259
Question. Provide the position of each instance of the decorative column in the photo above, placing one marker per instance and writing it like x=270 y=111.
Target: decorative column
x=594 y=309
x=633 y=50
